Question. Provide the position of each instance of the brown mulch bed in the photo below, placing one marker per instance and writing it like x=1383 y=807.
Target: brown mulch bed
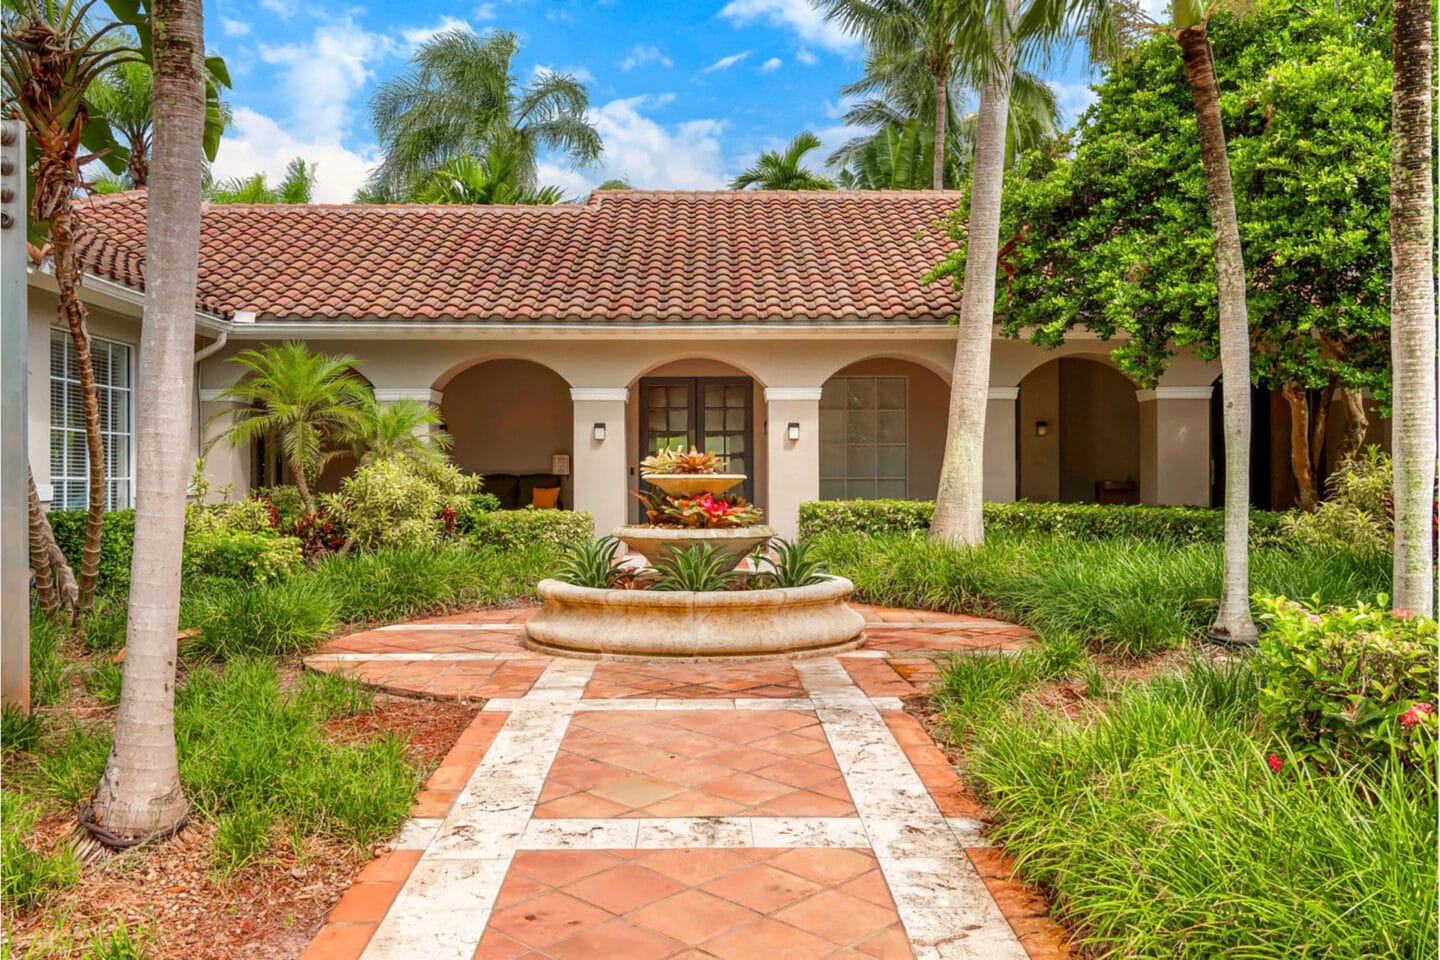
x=170 y=893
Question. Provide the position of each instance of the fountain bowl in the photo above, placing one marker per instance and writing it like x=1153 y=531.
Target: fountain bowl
x=693 y=484
x=790 y=622
x=653 y=542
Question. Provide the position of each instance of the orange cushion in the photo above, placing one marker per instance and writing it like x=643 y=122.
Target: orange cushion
x=546 y=497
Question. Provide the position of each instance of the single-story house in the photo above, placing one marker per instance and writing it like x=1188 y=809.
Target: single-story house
x=790 y=331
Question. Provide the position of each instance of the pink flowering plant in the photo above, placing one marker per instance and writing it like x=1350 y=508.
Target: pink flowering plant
x=1350 y=683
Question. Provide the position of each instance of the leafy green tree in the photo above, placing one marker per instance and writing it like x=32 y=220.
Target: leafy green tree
x=494 y=178
x=615 y=183
x=297 y=186
x=398 y=430
x=459 y=98
x=1114 y=238
x=304 y=402
x=777 y=170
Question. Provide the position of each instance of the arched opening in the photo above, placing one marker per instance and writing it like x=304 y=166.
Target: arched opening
x=1079 y=434
x=709 y=404
x=882 y=431
x=509 y=420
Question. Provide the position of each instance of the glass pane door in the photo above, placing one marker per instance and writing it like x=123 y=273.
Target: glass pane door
x=712 y=414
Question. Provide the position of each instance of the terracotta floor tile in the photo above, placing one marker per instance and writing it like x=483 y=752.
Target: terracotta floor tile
x=339 y=941
x=838 y=917
x=827 y=867
x=687 y=681
x=692 y=917
x=624 y=888
x=616 y=938
x=546 y=919
x=892 y=944
x=559 y=867
x=696 y=866
x=769 y=938
x=762 y=887
x=393 y=867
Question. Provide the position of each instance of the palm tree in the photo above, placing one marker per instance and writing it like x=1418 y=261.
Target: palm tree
x=304 y=402
x=1412 y=310
x=122 y=99
x=774 y=170
x=459 y=97
x=891 y=159
x=297 y=186
x=51 y=61
x=140 y=794
x=936 y=36
x=483 y=180
x=400 y=429
x=1233 y=623
x=897 y=88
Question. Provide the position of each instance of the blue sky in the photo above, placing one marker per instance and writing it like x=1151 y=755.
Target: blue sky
x=684 y=93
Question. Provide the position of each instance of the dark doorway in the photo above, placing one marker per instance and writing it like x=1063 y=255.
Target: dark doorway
x=1261 y=495
x=712 y=414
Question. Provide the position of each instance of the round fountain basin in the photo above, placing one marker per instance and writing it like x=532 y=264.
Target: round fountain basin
x=693 y=484
x=654 y=542
x=658 y=624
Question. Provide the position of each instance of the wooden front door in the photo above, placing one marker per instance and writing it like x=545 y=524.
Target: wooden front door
x=712 y=414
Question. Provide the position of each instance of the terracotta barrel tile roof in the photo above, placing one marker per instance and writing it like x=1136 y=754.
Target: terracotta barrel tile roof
x=626 y=256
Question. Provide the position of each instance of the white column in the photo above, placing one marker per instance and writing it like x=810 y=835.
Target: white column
x=599 y=466
x=1000 y=453
x=225 y=465
x=1175 y=445
x=794 y=464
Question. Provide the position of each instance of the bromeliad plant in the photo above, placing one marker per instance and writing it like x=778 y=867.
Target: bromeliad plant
x=697 y=568
x=706 y=510
x=591 y=563
x=677 y=461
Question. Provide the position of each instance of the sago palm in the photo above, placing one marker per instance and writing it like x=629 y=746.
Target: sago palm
x=776 y=170
x=304 y=402
x=460 y=97
x=400 y=429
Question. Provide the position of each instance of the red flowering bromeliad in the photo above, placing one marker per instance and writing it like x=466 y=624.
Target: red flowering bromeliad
x=1416 y=714
x=706 y=510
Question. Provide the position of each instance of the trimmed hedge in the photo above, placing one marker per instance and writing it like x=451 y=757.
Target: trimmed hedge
x=1090 y=521
x=116 y=544
x=531 y=527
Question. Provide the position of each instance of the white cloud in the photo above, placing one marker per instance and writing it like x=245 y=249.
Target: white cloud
x=806 y=57
x=647 y=154
x=234 y=28
x=418 y=35
x=772 y=64
x=640 y=55
x=1073 y=98
x=799 y=15
x=832 y=138
x=579 y=73
x=483 y=11
x=321 y=76
x=725 y=63
x=257 y=144
x=285 y=9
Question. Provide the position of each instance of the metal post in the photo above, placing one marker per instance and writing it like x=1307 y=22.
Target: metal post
x=14 y=489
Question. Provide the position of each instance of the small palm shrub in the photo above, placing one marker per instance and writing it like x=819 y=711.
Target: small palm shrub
x=794 y=565
x=590 y=564
x=697 y=568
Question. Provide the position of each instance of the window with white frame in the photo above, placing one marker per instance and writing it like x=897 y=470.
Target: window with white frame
x=69 y=464
x=863 y=438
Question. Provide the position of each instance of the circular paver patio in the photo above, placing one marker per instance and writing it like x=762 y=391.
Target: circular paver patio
x=683 y=809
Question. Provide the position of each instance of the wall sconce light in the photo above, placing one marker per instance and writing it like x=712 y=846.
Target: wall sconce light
x=792 y=431
x=599 y=432
x=1041 y=428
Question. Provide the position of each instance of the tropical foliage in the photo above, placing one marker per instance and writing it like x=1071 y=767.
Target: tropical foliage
x=1117 y=237
x=397 y=430
x=296 y=186
x=784 y=170
x=494 y=178
x=459 y=98
x=676 y=460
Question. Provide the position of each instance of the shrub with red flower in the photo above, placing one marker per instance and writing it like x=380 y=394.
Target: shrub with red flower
x=1274 y=762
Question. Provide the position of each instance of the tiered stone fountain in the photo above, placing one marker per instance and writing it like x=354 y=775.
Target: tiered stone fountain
x=643 y=624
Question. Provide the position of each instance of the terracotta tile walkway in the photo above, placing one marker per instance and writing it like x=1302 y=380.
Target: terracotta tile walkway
x=642 y=811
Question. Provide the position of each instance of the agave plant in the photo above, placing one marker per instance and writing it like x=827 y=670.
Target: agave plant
x=591 y=563
x=678 y=461
x=792 y=565
x=697 y=568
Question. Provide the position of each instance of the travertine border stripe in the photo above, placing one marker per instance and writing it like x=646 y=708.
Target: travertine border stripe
x=943 y=903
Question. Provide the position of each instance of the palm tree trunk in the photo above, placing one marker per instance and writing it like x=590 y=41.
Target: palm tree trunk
x=72 y=311
x=140 y=793
x=1412 y=307
x=1307 y=496
x=301 y=487
x=45 y=595
x=959 y=500
x=1233 y=623
x=44 y=550
x=942 y=111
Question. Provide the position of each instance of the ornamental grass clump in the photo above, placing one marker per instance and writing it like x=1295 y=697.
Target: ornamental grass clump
x=1350 y=684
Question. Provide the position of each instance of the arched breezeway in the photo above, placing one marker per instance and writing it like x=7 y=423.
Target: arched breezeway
x=1078 y=433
